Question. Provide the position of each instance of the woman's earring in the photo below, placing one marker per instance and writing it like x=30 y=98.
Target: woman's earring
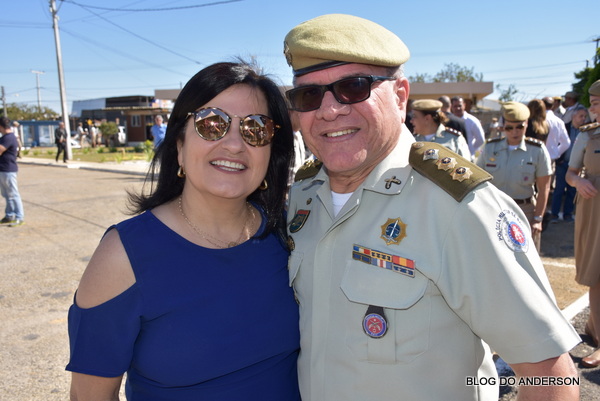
x=264 y=185
x=180 y=172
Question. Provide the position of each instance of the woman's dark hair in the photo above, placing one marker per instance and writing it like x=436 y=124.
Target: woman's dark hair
x=201 y=89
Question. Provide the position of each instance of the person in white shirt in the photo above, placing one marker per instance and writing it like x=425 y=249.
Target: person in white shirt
x=558 y=140
x=475 y=134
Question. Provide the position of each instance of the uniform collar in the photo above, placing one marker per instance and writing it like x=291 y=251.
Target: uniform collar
x=388 y=177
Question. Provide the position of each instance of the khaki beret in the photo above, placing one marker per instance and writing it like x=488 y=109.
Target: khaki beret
x=595 y=89
x=427 y=105
x=337 y=39
x=557 y=98
x=515 y=111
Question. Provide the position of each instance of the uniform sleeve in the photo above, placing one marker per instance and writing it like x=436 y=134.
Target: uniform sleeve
x=102 y=338
x=576 y=160
x=494 y=280
x=544 y=166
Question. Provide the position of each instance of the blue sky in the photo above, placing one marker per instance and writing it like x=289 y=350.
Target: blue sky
x=121 y=48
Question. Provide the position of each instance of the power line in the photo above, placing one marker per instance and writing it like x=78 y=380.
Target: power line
x=151 y=9
x=141 y=37
x=500 y=50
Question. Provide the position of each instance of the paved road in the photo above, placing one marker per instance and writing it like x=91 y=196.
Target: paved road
x=67 y=211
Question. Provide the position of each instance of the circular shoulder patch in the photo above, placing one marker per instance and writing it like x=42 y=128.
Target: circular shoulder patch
x=512 y=231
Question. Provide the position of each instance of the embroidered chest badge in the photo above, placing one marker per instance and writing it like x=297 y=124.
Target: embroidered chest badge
x=393 y=231
x=299 y=220
x=509 y=228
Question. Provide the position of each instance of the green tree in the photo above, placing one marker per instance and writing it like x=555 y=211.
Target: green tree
x=16 y=111
x=455 y=73
x=586 y=78
x=451 y=73
x=109 y=129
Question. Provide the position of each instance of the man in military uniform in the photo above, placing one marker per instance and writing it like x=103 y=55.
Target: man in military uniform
x=429 y=126
x=519 y=164
x=406 y=262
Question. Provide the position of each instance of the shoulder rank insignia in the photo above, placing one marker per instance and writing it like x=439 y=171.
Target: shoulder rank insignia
x=458 y=180
x=533 y=141
x=452 y=131
x=393 y=231
x=497 y=139
x=309 y=169
x=589 y=127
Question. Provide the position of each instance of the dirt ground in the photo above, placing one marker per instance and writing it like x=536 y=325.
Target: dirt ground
x=558 y=257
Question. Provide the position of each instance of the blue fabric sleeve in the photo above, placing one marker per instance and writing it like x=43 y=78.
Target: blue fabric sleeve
x=102 y=338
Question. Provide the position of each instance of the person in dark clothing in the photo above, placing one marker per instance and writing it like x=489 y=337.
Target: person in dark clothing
x=60 y=139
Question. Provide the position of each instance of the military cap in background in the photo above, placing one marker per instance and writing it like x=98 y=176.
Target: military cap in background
x=427 y=105
x=515 y=111
x=595 y=89
x=337 y=39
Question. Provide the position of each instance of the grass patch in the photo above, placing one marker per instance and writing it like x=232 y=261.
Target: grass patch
x=94 y=155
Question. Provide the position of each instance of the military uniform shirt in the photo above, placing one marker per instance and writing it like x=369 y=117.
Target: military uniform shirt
x=515 y=171
x=450 y=138
x=475 y=275
x=578 y=151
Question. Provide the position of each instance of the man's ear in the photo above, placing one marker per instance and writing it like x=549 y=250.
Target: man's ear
x=402 y=92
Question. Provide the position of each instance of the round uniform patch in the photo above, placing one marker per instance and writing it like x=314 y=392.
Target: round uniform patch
x=512 y=231
x=374 y=325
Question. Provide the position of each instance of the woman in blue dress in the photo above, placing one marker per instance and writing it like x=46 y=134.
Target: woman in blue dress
x=190 y=298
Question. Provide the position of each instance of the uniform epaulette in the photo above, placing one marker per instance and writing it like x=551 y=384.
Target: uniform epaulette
x=452 y=131
x=453 y=173
x=533 y=141
x=310 y=168
x=497 y=139
x=589 y=127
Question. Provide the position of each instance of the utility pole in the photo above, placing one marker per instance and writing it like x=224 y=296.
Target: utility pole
x=37 y=81
x=61 y=78
x=4 y=103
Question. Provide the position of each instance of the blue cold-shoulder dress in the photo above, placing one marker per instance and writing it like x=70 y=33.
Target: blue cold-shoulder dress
x=198 y=324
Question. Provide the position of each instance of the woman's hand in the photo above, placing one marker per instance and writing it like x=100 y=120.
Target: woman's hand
x=585 y=188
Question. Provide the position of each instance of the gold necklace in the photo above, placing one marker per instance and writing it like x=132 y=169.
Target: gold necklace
x=244 y=235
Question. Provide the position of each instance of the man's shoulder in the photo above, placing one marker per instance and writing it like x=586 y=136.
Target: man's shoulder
x=448 y=170
x=309 y=169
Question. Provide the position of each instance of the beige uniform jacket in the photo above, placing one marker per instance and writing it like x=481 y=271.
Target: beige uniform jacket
x=451 y=139
x=515 y=171
x=448 y=274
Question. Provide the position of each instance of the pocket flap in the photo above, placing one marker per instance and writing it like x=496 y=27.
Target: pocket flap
x=372 y=285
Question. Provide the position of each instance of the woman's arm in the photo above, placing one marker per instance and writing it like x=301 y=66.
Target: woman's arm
x=107 y=275
x=584 y=187
x=94 y=388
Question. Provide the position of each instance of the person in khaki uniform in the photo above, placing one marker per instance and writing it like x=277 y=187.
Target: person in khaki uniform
x=429 y=121
x=586 y=155
x=407 y=264
x=519 y=165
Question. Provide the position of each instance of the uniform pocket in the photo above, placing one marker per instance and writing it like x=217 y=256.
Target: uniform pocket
x=407 y=308
x=527 y=173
